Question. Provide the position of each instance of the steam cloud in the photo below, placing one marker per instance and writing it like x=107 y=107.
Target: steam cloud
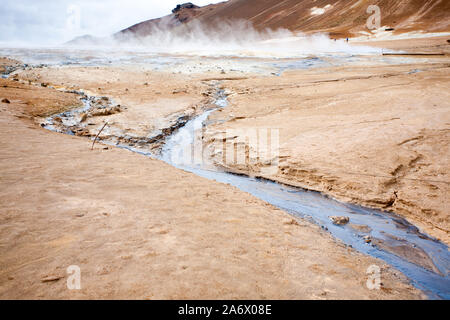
x=224 y=38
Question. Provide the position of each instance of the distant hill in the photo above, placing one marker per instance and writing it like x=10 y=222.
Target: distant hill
x=83 y=40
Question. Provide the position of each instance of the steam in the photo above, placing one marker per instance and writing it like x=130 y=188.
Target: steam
x=223 y=38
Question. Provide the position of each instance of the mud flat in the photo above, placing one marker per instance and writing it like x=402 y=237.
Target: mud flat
x=142 y=107
x=433 y=44
x=141 y=229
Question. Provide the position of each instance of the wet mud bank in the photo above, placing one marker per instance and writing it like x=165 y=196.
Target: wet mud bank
x=78 y=121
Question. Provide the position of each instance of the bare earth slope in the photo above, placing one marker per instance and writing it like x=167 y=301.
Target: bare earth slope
x=140 y=229
x=337 y=17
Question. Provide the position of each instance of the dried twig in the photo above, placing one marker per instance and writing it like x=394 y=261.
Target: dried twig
x=96 y=137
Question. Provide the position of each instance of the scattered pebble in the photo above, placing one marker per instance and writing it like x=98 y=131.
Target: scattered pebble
x=292 y=222
x=5 y=101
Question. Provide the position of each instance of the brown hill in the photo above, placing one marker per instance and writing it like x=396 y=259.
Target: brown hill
x=340 y=18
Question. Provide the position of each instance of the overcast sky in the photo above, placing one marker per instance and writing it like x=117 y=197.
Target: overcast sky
x=55 y=21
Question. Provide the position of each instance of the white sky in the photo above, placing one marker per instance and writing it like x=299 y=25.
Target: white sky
x=55 y=21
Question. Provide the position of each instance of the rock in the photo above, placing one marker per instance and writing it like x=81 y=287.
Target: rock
x=177 y=91
x=51 y=278
x=361 y=228
x=82 y=133
x=83 y=117
x=5 y=101
x=292 y=222
x=102 y=271
x=106 y=111
x=367 y=239
x=187 y=5
x=44 y=85
x=340 y=221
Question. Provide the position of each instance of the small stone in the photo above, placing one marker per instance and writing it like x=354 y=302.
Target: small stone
x=80 y=215
x=340 y=221
x=5 y=101
x=83 y=117
x=103 y=270
x=367 y=239
x=361 y=228
x=292 y=222
x=50 y=278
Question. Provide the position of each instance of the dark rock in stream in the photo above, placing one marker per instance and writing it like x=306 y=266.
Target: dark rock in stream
x=361 y=228
x=340 y=221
